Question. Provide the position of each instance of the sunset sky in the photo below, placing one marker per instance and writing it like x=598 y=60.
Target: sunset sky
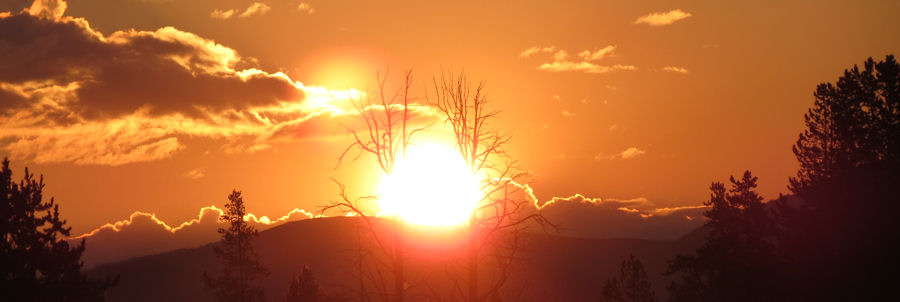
x=165 y=106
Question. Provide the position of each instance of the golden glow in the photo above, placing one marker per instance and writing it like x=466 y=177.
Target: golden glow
x=343 y=70
x=432 y=185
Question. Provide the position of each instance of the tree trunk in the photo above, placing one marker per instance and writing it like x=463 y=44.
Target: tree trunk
x=399 y=282
x=473 y=267
x=362 y=285
x=240 y=255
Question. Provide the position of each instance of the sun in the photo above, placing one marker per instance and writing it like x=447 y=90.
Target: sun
x=431 y=185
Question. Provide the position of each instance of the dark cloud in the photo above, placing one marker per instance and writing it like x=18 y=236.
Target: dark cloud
x=69 y=93
x=420 y=117
x=9 y=100
x=39 y=49
x=123 y=87
x=167 y=71
x=14 y=5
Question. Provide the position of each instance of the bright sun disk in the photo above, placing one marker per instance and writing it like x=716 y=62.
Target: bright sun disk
x=432 y=185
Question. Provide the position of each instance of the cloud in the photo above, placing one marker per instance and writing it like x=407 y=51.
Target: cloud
x=145 y=233
x=676 y=69
x=582 y=216
x=585 y=67
x=80 y=96
x=48 y=9
x=255 y=9
x=305 y=7
x=535 y=50
x=618 y=219
x=194 y=174
x=117 y=226
x=222 y=14
x=560 y=55
x=597 y=54
x=629 y=153
x=660 y=18
x=168 y=69
x=578 y=215
x=84 y=146
x=560 y=60
x=567 y=113
x=632 y=153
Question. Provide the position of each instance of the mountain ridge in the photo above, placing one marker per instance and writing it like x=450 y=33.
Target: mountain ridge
x=573 y=268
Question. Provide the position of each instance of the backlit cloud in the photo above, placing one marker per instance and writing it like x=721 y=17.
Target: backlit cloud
x=622 y=218
x=49 y=9
x=662 y=18
x=583 y=216
x=577 y=215
x=215 y=212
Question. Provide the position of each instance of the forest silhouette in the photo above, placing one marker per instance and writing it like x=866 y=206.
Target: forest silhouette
x=834 y=237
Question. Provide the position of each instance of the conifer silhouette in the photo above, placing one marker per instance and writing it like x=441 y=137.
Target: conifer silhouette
x=304 y=287
x=736 y=263
x=842 y=227
x=36 y=262
x=240 y=262
x=632 y=284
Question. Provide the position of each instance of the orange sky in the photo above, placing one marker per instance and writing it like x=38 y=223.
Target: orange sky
x=655 y=109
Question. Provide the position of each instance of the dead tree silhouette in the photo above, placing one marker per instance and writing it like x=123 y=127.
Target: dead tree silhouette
x=498 y=214
x=387 y=117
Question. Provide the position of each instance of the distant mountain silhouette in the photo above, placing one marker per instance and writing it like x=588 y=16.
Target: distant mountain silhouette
x=613 y=219
x=142 y=234
x=556 y=268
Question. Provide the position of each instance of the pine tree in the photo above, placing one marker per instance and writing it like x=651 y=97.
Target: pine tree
x=304 y=287
x=36 y=262
x=737 y=262
x=844 y=229
x=632 y=284
x=240 y=262
x=854 y=123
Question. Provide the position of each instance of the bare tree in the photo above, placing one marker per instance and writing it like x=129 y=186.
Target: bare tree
x=387 y=117
x=464 y=105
